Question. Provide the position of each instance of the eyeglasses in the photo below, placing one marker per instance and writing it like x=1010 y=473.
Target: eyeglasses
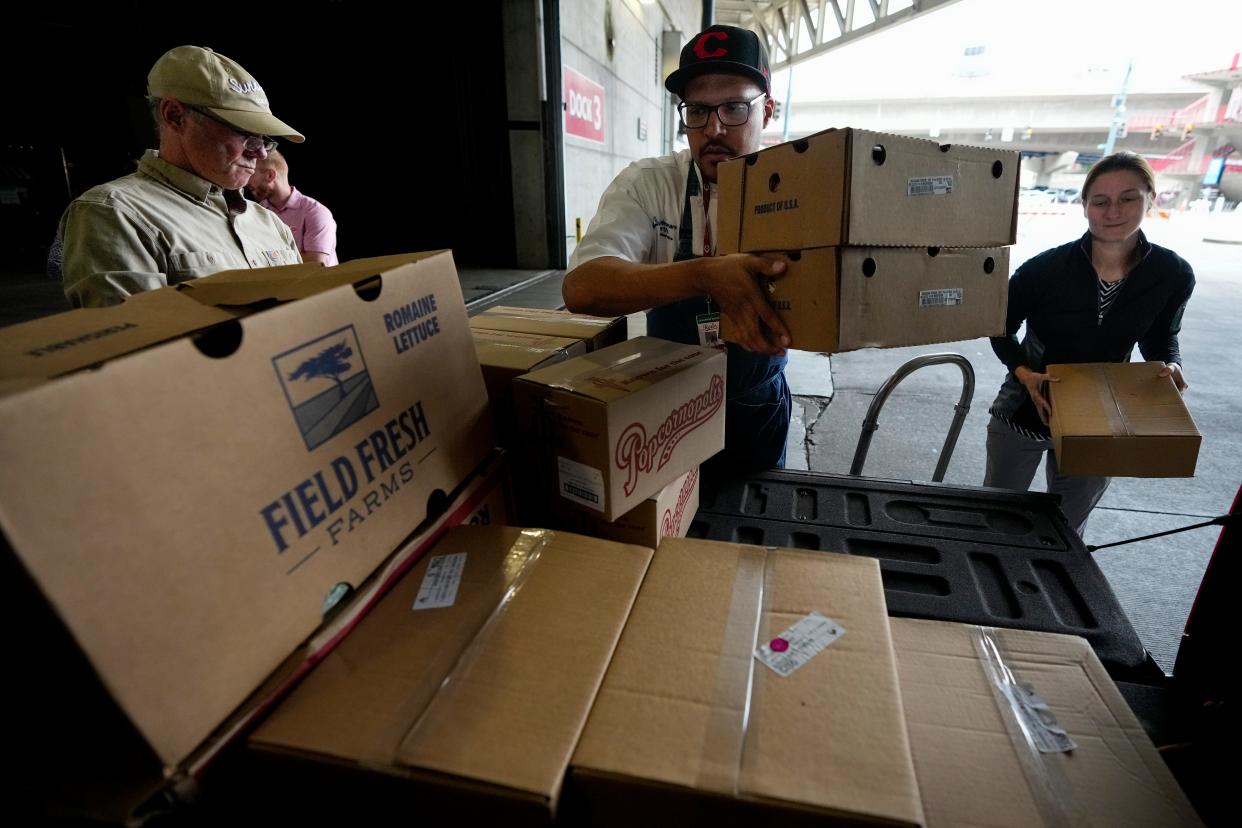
x=254 y=143
x=730 y=113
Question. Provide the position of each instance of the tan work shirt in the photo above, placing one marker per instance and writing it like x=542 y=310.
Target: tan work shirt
x=160 y=226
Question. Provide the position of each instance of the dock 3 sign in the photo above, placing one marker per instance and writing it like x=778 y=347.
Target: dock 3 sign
x=584 y=106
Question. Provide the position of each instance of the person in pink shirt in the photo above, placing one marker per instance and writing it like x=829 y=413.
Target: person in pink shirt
x=312 y=224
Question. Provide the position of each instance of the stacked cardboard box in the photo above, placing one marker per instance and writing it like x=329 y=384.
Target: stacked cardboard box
x=468 y=686
x=177 y=515
x=888 y=240
x=506 y=355
x=690 y=727
x=704 y=683
x=605 y=431
x=596 y=331
x=666 y=514
x=1017 y=728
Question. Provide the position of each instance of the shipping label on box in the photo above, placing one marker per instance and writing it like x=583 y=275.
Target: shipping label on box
x=1120 y=420
x=196 y=501
x=607 y=430
x=965 y=693
x=857 y=187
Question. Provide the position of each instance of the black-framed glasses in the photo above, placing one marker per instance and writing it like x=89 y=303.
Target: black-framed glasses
x=254 y=143
x=730 y=113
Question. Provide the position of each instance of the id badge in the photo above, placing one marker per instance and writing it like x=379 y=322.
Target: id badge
x=709 y=329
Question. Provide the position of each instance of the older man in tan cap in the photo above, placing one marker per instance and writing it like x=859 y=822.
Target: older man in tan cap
x=182 y=215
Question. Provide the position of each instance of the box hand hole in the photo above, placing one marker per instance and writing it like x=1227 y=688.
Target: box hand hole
x=879 y=155
x=220 y=341
x=774 y=181
x=335 y=598
x=369 y=290
x=868 y=267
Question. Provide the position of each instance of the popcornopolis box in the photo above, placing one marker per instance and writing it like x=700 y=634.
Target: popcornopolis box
x=186 y=477
x=606 y=430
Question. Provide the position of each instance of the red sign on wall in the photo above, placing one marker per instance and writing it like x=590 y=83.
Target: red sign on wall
x=584 y=106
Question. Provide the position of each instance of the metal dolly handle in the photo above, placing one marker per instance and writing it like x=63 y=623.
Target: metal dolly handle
x=872 y=420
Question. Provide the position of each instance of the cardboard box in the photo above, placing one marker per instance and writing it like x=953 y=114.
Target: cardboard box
x=690 y=728
x=835 y=299
x=607 y=430
x=666 y=514
x=857 y=187
x=974 y=768
x=1121 y=419
x=596 y=331
x=472 y=680
x=186 y=508
x=505 y=355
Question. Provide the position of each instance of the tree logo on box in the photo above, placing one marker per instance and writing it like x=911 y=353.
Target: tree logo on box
x=636 y=452
x=326 y=384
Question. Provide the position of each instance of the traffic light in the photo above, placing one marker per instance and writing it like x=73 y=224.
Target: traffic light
x=1157 y=131
x=1187 y=131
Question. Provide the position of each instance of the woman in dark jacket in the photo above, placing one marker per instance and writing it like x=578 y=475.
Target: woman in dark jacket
x=1091 y=300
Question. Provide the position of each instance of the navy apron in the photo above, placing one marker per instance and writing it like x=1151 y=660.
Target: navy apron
x=757 y=400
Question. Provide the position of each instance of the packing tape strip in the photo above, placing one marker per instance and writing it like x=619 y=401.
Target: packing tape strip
x=491 y=343
x=635 y=364
x=729 y=728
x=1117 y=423
x=1035 y=735
x=450 y=668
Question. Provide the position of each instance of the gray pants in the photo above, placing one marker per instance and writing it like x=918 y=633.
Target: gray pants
x=1013 y=459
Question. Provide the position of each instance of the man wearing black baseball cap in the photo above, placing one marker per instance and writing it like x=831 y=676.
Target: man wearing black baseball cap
x=182 y=214
x=651 y=245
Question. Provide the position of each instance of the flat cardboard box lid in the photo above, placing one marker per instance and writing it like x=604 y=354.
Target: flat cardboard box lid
x=545 y=321
x=685 y=703
x=66 y=342
x=483 y=689
x=620 y=370
x=971 y=767
x=241 y=288
x=1119 y=399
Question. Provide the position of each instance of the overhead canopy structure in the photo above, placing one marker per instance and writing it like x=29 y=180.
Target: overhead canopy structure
x=795 y=30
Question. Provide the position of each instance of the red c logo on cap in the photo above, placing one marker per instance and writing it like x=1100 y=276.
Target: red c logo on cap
x=700 y=47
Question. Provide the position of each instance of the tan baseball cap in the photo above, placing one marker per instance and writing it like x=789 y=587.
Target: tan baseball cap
x=200 y=77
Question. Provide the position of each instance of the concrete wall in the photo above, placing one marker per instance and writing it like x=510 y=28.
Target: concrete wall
x=633 y=81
